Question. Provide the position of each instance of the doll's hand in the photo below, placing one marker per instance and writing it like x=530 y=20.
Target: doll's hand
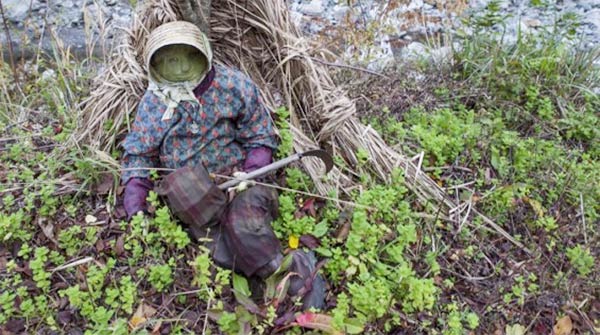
x=136 y=192
x=243 y=185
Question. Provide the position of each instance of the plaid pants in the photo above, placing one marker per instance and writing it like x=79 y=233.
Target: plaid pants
x=242 y=236
x=241 y=232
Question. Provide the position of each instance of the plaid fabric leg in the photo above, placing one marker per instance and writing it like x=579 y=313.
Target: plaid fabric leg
x=247 y=234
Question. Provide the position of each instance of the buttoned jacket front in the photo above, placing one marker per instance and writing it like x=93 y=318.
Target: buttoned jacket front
x=218 y=130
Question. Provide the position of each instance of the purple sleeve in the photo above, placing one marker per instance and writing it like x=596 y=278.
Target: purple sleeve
x=257 y=158
x=136 y=192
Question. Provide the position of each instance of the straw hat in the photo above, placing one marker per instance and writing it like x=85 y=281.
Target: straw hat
x=177 y=32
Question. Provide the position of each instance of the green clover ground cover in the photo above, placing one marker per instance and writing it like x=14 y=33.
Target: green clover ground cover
x=514 y=132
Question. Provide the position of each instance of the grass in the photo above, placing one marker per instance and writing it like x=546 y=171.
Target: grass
x=512 y=131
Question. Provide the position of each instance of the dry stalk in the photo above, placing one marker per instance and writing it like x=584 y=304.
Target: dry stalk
x=11 y=54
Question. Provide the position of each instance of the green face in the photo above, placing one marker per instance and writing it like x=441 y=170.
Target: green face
x=178 y=63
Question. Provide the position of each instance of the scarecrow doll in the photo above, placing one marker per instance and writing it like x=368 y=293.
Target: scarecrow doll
x=200 y=118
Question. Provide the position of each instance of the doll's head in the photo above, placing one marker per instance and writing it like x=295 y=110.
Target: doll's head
x=178 y=52
x=178 y=63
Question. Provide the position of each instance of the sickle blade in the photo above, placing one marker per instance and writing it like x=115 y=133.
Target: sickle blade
x=321 y=154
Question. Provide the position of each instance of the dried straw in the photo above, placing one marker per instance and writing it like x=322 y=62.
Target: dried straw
x=258 y=37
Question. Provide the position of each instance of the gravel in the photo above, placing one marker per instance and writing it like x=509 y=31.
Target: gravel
x=399 y=35
x=32 y=23
x=400 y=29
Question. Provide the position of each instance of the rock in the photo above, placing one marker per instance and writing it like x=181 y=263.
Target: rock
x=415 y=51
x=66 y=4
x=66 y=19
x=318 y=16
x=593 y=17
x=533 y=23
x=48 y=74
x=339 y=12
x=313 y=8
x=441 y=55
x=16 y=10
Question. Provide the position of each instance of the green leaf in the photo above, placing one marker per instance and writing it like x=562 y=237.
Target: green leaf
x=495 y=161
x=323 y=251
x=320 y=229
x=516 y=329
x=353 y=326
x=240 y=285
x=242 y=293
x=273 y=280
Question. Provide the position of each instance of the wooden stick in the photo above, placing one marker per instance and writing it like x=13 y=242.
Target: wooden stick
x=501 y=231
x=72 y=264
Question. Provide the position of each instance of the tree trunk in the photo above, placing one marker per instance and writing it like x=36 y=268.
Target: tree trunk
x=197 y=12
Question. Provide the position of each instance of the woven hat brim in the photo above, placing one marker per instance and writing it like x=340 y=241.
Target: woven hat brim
x=177 y=32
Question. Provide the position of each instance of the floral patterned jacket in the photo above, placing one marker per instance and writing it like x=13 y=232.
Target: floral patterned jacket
x=219 y=130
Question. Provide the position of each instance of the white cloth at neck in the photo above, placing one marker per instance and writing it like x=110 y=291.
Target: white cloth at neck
x=171 y=94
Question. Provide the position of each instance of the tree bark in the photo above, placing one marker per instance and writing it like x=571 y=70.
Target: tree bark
x=196 y=12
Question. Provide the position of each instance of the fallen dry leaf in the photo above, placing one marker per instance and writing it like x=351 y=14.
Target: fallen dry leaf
x=156 y=329
x=65 y=317
x=536 y=206
x=136 y=321
x=106 y=183
x=310 y=241
x=14 y=326
x=564 y=326
x=343 y=232
x=316 y=321
x=141 y=315
x=100 y=246
x=120 y=245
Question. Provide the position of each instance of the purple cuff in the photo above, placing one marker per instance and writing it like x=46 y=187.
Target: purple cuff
x=257 y=158
x=136 y=192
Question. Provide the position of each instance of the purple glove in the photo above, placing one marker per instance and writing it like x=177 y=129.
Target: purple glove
x=136 y=192
x=257 y=158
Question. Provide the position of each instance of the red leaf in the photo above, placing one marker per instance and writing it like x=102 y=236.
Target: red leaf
x=310 y=241
x=15 y=326
x=285 y=319
x=65 y=317
x=309 y=207
x=316 y=321
x=57 y=129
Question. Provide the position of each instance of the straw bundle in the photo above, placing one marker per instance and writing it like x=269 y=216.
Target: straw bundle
x=258 y=37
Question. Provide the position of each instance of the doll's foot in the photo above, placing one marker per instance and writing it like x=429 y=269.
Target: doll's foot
x=310 y=285
x=268 y=269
